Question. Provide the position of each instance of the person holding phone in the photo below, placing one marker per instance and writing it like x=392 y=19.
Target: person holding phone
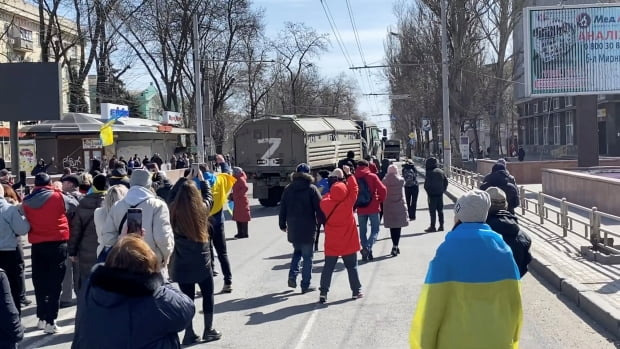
x=191 y=258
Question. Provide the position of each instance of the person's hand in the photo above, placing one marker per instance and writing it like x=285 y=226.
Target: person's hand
x=191 y=174
x=346 y=169
x=219 y=158
x=200 y=176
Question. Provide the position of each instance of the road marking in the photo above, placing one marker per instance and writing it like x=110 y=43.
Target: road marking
x=306 y=332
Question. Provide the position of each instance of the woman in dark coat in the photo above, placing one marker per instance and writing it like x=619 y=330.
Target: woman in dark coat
x=11 y=330
x=83 y=243
x=127 y=303
x=191 y=259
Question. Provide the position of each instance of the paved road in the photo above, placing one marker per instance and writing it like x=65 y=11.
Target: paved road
x=263 y=313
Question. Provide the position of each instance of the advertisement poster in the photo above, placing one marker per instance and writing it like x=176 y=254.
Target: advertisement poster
x=572 y=50
x=27 y=155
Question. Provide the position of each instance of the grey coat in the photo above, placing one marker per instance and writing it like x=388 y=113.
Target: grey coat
x=394 y=207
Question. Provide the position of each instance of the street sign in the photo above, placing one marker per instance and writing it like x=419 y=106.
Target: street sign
x=412 y=141
x=411 y=135
x=426 y=125
x=464 y=147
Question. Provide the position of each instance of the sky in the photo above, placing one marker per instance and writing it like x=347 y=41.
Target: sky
x=373 y=18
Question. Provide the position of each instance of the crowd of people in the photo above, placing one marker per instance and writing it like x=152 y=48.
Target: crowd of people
x=83 y=242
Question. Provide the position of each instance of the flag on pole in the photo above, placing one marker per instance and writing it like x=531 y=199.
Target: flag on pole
x=105 y=132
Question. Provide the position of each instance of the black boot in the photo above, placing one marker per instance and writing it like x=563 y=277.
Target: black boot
x=190 y=336
x=211 y=335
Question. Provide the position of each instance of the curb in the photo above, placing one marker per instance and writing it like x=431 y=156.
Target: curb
x=590 y=302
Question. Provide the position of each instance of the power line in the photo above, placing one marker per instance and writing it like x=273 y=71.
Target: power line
x=332 y=24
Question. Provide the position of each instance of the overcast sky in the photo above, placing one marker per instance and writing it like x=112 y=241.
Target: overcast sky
x=372 y=17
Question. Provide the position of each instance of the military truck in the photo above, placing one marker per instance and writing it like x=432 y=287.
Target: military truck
x=392 y=149
x=269 y=149
x=372 y=141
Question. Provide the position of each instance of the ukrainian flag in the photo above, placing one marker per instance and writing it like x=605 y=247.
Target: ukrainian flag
x=220 y=189
x=471 y=298
x=105 y=132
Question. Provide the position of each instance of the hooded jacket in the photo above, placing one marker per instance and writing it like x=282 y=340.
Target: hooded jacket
x=119 y=176
x=47 y=210
x=11 y=329
x=471 y=297
x=341 y=235
x=83 y=237
x=436 y=181
x=241 y=211
x=155 y=222
x=119 y=309
x=499 y=177
x=506 y=224
x=299 y=209
x=12 y=224
x=395 y=214
x=377 y=190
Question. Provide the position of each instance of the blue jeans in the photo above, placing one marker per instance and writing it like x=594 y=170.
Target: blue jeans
x=374 y=229
x=300 y=251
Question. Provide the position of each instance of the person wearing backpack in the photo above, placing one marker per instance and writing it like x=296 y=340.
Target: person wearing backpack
x=410 y=174
x=370 y=196
x=435 y=185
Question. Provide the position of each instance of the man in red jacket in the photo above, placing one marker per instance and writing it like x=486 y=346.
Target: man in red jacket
x=369 y=211
x=46 y=211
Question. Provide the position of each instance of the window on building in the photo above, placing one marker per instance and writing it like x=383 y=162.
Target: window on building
x=25 y=34
x=535 y=108
x=545 y=106
x=545 y=140
x=556 y=130
x=536 y=139
x=556 y=103
x=568 y=101
x=569 y=127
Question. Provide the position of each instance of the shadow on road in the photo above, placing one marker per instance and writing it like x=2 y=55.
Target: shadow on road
x=55 y=340
x=251 y=303
x=280 y=314
x=258 y=211
x=282 y=256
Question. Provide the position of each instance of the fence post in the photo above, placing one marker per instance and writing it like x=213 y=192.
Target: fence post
x=595 y=227
x=541 y=209
x=564 y=217
x=522 y=198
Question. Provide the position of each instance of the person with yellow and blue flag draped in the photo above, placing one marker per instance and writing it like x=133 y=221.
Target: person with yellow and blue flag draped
x=471 y=297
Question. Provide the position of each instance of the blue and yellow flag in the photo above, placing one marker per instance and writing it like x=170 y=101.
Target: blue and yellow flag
x=471 y=297
x=223 y=184
x=105 y=132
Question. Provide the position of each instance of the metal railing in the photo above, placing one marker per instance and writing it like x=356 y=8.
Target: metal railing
x=539 y=203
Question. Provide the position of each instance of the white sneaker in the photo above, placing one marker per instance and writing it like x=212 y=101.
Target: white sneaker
x=41 y=324
x=52 y=329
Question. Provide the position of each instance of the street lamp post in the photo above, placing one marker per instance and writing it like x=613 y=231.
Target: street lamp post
x=447 y=150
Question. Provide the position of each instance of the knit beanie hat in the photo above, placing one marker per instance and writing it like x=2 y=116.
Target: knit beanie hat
x=140 y=178
x=392 y=169
x=100 y=181
x=303 y=168
x=42 y=179
x=237 y=171
x=473 y=207
x=337 y=173
x=498 y=199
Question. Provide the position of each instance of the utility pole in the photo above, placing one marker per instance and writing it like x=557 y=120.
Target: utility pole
x=198 y=93
x=447 y=150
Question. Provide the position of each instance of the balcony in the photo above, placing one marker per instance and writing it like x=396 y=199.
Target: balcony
x=22 y=45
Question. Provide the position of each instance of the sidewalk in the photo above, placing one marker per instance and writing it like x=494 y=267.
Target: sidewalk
x=591 y=286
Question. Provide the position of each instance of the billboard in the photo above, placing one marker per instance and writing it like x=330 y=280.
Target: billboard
x=171 y=118
x=572 y=50
x=113 y=111
x=30 y=91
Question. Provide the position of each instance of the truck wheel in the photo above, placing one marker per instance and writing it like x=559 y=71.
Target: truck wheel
x=274 y=196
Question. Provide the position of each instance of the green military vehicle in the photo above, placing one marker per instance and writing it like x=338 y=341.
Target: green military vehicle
x=269 y=149
x=392 y=149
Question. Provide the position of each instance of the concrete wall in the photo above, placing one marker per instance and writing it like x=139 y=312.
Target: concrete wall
x=600 y=192
x=530 y=172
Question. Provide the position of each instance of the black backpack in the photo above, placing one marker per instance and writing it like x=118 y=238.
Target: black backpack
x=364 y=196
x=410 y=177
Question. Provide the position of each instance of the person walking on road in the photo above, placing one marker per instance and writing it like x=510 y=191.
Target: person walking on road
x=12 y=198
x=46 y=210
x=241 y=210
x=127 y=303
x=394 y=208
x=191 y=260
x=349 y=161
x=341 y=235
x=371 y=194
x=11 y=329
x=83 y=243
x=499 y=177
x=506 y=224
x=155 y=218
x=435 y=186
x=115 y=193
x=410 y=174
x=472 y=295
x=323 y=184
x=299 y=214
x=12 y=226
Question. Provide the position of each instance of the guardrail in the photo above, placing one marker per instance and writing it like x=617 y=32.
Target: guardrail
x=539 y=204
